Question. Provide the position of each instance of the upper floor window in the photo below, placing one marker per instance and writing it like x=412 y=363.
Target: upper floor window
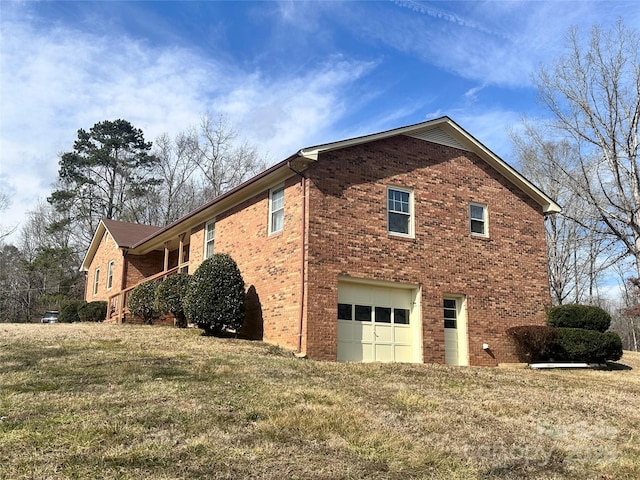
x=276 y=209
x=96 y=281
x=399 y=211
x=209 y=238
x=478 y=222
x=110 y=275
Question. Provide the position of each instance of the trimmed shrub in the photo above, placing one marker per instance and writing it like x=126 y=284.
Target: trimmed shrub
x=93 y=312
x=215 y=298
x=580 y=345
x=69 y=312
x=588 y=317
x=140 y=301
x=533 y=342
x=169 y=297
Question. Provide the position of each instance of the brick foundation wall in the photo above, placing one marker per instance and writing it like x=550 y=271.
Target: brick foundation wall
x=503 y=277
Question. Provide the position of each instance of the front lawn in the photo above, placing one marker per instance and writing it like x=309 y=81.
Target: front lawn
x=94 y=401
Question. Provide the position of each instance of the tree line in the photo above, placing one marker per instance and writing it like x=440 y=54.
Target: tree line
x=584 y=154
x=113 y=172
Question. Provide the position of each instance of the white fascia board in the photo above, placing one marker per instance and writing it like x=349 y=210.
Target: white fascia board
x=93 y=246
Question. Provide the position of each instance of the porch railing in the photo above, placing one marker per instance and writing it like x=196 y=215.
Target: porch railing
x=117 y=303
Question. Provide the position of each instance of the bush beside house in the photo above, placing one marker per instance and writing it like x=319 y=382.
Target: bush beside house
x=215 y=298
x=580 y=345
x=534 y=343
x=69 y=312
x=587 y=317
x=141 y=302
x=169 y=297
x=575 y=333
x=93 y=312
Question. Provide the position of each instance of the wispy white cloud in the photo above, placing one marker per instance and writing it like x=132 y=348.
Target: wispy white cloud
x=496 y=43
x=63 y=79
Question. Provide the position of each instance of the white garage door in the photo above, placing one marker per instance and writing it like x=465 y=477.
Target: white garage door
x=377 y=324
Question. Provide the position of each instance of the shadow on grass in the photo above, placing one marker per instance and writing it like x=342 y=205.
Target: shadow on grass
x=616 y=366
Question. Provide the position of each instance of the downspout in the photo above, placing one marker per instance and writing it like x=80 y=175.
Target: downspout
x=303 y=257
x=123 y=285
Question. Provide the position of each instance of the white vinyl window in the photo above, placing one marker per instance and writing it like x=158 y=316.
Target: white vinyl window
x=209 y=238
x=96 y=281
x=400 y=211
x=110 y=275
x=276 y=209
x=478 y=221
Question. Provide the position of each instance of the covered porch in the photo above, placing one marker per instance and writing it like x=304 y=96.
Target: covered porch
x=154 y=265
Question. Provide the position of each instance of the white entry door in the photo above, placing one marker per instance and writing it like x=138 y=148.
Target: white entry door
x=375 y=324
x=455 y=331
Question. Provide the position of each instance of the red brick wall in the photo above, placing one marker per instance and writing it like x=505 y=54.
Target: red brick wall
x=270 y=264
x=106 y=252
x=140 y=267
x=504 y=277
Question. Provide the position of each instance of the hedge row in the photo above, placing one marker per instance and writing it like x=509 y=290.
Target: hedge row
x=81 y=311
x=574 y=333
x=213 y=297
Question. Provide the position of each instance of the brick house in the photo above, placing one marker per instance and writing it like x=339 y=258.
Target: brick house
x=416 y=244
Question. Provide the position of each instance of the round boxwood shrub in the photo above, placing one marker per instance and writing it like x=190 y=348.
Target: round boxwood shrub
x=69 y=312
x=534 y=343
x=93 y=312
x=169 y=297
x=580 y=345
x=215 y=298
x=588 y=317
x=140 y=301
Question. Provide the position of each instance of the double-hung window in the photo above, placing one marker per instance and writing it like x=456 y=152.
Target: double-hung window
x=96 y=281
x=478 y=222
x=276 y=209
x=400 y=211
x=110 y=275
x=209 y=238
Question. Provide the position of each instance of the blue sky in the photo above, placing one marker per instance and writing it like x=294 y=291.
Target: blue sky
x=287 y=74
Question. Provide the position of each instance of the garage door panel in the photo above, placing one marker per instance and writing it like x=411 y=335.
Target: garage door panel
x=383 y=333
x=403 y=334
x=384 y=353
x=363 y=330
x=402 y=351
x=345 y=331
x=378 y=336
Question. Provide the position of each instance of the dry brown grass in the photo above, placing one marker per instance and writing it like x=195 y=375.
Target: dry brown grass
x=100 y=401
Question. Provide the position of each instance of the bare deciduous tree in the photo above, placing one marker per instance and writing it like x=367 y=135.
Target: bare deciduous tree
x=4 y=204
x=223 y=162
x=594 y=94
x=577 y=253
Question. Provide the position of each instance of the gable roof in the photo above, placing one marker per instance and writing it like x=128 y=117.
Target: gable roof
x=443 y=130
x=124 y=234
x=127 y=234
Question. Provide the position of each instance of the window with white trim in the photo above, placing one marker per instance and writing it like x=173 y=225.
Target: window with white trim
x=209 y=238
x=478 y=223
x=399 y=211
x=276 y=209
x=96 y=281
x=110 y=275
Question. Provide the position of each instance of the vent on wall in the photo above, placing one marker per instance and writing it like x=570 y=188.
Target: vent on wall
x=437 y=135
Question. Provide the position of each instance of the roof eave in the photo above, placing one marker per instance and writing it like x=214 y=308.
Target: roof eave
x=548 y=205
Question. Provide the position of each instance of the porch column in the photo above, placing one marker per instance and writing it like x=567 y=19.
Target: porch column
x=180 y=248
x=123 y=285
x=166 y=256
